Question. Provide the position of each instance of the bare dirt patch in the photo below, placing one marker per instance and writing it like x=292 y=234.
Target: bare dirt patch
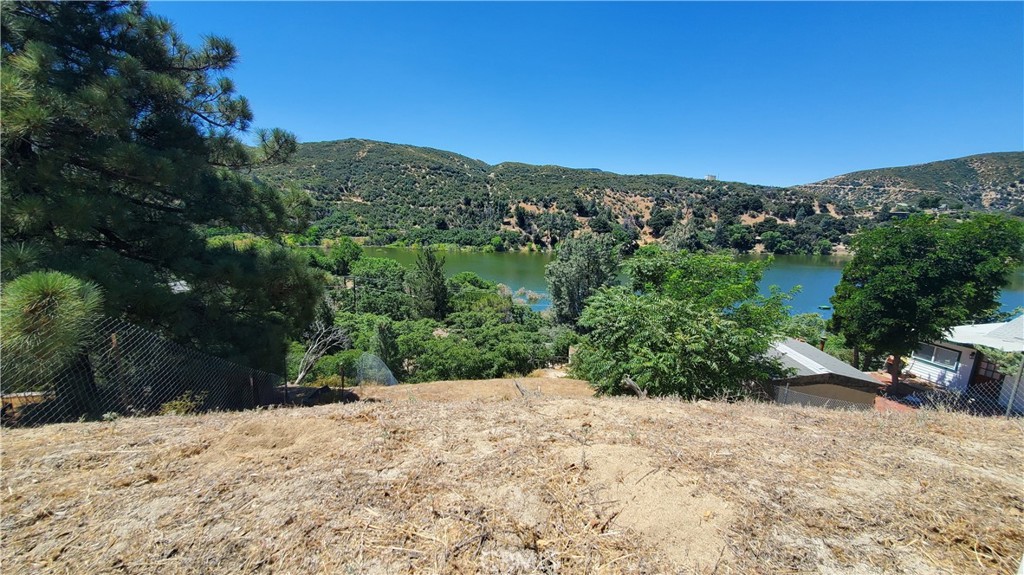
x=517 y=485
x=482 y=389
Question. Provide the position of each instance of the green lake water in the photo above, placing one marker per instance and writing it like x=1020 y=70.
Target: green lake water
x=817 y=275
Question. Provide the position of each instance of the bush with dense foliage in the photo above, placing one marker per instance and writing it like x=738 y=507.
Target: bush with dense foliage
x=690 y=324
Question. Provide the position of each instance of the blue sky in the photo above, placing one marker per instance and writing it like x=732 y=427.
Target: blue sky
x=768 y=93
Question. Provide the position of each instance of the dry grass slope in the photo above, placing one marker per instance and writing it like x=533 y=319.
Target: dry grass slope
x=517 y=485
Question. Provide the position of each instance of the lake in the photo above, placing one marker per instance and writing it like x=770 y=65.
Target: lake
x=817 y=275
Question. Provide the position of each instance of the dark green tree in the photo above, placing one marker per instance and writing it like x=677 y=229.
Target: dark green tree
x=581 y=266
x=120 y=145
x=336 y=256
x=385 y=346
x=911 y=281
x=379 y=285
x=600 y=224
x=660 y=220
x=741 y=237
x=522 y=218
x=428 y=286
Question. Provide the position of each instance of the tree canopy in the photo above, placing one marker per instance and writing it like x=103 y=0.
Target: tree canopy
x=691 y=324
x=581 y=266
x=911 y=281
x=121 y=144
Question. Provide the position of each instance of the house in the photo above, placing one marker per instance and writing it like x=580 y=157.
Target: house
x=818 y=378
x=956 y=363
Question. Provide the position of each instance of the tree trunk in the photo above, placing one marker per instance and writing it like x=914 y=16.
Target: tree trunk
x=856 y=357
x=77 y=387
x=894 y=368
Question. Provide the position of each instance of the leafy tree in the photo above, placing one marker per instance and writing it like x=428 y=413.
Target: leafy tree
x=481 y=343
x=600 y=224
x=120 y=145
x=581 y=266
x=522 y=218
x=716 y=281
x=335 y=256
x=660 y=220
x=380 y=287
x=911 y=281
x=809 y=327
x=720 y=239
x=342 y=253
x=691 y=325
x=884 y=213
x=428 y=286
x=741 y=237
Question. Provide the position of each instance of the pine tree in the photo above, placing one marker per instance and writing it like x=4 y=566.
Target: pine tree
x=120 y=144
x=428 y=285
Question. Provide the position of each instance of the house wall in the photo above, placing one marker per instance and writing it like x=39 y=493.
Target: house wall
x=953 y=379
x=823 y=391
x=1007 y=389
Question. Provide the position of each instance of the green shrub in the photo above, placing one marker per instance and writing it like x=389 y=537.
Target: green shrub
x=188 y=403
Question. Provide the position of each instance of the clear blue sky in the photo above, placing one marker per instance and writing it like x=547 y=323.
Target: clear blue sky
x=769 y=93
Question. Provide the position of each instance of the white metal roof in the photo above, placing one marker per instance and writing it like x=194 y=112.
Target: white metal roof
x=1006 y=336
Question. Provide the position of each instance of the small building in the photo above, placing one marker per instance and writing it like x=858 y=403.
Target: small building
x=956 y=364
x=820 y=379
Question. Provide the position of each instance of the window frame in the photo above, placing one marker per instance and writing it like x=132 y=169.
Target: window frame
x=955 y=366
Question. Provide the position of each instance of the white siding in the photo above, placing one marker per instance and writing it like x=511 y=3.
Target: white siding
x=955 y=378
x=1018 y=399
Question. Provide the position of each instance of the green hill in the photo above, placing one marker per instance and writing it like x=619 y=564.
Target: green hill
x=985 y=181
x=392 y=192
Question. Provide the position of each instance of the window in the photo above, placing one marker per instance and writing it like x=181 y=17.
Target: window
x=989 y=370
x=938 y=355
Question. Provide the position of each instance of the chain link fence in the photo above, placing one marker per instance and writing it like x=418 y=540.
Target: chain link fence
x=789 y=396
x=915 y=395
x=121 y=369
x=976 y=400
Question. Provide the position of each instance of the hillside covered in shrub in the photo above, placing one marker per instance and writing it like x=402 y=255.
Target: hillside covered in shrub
x=396 y=193
x=990 y=181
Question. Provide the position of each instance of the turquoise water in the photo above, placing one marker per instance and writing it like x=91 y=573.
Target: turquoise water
x=817 y=275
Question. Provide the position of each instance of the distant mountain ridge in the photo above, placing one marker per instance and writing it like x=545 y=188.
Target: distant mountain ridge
x=992 y=181
x=408 y=194
x=365 y=187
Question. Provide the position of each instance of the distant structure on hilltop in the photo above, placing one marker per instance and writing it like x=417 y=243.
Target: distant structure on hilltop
x=711 y=177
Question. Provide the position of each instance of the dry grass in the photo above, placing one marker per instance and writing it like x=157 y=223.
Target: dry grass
x=534 y=484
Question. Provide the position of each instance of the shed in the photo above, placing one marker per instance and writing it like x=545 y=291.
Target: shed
x=819 y=378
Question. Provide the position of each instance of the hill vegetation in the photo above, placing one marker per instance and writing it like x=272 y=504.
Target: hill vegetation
x=392 y=193
x=984 y=181
x=396 y=193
